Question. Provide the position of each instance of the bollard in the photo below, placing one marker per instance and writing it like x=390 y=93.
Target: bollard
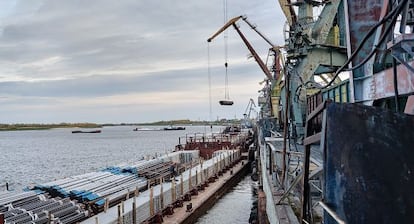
x=189 y=207
x=7 y=186
x=1 y=218
x=96 y=220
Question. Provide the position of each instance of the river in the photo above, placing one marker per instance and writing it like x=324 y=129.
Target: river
x=234 y=207
x=28 y=158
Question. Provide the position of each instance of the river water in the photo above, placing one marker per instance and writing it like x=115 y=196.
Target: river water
x=234 y=207
x=34 y=157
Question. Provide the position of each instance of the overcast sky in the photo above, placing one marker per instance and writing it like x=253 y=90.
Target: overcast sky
x=128 y=60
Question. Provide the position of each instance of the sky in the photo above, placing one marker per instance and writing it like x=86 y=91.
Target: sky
x=106 y=61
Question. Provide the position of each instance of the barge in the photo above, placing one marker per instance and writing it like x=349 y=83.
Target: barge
x=79 y=131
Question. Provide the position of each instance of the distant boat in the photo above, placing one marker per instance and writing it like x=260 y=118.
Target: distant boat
x=231 y=130
x=94 y=131
x=172 y=128
x=145 y=129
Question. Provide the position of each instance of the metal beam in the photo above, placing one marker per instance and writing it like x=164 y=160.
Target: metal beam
x=255 y=55
x=227 y=25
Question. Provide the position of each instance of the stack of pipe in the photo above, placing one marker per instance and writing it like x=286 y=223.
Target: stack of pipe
x=29 y=207
x=96 y=187
x=182 y=157
x=155 y=199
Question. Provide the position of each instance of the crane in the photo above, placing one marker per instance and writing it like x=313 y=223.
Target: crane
x=246 y=120
x=275 y=79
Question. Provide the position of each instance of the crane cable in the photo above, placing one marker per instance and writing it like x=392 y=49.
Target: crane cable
x=226 y=80
x=209 y=81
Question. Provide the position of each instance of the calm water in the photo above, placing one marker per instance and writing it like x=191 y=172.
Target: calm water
x=234 y=207
x=33 y=157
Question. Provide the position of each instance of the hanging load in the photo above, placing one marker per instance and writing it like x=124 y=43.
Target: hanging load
x=226 y=102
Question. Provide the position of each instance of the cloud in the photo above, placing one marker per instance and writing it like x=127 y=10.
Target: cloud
x=55 y=55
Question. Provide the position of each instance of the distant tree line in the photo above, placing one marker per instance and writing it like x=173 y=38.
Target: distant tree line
x=33 y=126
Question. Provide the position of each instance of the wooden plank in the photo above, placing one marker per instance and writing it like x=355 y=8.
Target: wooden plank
x=315 y=112
x=312 y=139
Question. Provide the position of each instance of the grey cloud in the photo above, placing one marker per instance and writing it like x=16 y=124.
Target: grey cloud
x=107 y=85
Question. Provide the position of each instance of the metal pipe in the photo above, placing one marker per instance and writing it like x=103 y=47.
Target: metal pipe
x=316 y=187
x=331 y=213
x=395 y=78
x=285 y=128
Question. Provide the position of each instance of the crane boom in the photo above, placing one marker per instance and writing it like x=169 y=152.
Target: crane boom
x=254 y=28
x=256 y=57
x=229 y=23
x=232 y=22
